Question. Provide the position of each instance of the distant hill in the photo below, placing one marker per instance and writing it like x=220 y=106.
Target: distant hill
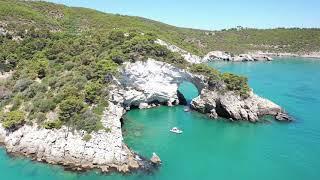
x=44 y=15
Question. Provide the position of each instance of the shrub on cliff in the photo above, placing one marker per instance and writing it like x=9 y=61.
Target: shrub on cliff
x=213 y=75
x=13 y=119
x=87 y=137
x=102 y=68
x=22 y=84
x=117 y=36
x=236 y=83
x=69 y=108
x=93 y=92
x=117 y=56
x=43 y=105
x=205 y=70
x=87 y=121
x=34 y=89
x=34 y=68
x=57 y=124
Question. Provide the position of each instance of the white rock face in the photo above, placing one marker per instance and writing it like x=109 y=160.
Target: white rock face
x=149 y=81
x=104 y=149
x=191 y=58
x=61 y=146
x=217 y=55
x=220 y=55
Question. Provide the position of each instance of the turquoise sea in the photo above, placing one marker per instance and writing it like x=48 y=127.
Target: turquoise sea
x=216 y=149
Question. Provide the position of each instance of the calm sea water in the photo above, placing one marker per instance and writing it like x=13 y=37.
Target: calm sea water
x=210 y=149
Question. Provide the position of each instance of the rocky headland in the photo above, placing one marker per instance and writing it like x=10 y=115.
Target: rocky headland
x=142 y=84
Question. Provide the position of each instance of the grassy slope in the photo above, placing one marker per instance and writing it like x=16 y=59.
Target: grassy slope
x=198 y=41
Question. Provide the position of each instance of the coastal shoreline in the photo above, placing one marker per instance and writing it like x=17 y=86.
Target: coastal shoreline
x=312 y=55
x=218 y=55
x=148 y=166
x=142 y=84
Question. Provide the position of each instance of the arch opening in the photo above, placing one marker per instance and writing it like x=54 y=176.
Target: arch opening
x=186 y=92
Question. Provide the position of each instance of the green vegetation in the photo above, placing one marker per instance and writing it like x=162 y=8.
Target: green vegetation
x=13 y=119
x=69 y=74
x=238 y=84
x=93 y=92
x=87 y=137
x=57 y=124
x=63 y=59
x=54 y=17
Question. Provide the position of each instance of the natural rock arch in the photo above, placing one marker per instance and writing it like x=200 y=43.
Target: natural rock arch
x=150 y=81
x=146 y=82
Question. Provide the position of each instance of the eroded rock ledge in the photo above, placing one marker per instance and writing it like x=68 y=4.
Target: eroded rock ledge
x=149 y=82
x=231 y=106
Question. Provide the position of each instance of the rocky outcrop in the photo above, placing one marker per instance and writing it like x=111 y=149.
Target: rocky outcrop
x=232 y=106
x=220 y=55
x=152 y=81
x=217 y=55
x=155 y=159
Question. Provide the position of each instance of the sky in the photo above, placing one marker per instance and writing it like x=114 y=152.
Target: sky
x=214 y=14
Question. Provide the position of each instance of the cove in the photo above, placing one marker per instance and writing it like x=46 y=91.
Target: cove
x=216 y=149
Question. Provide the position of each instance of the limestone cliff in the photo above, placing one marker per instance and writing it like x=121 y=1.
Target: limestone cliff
x=234 y=107
x=155 y=82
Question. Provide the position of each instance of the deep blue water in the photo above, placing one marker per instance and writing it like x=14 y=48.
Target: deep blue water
x=216 y=149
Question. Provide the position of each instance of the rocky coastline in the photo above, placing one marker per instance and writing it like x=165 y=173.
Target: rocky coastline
x=227 y=56
x=142 y=84
x=303 y=55
x=105 y=150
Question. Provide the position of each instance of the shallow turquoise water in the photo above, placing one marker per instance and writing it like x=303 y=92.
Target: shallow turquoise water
x=211 y=149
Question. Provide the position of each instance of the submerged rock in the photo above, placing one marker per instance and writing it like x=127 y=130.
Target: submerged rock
x=283 y=117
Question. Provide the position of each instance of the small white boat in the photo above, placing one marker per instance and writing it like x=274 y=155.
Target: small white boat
x=186 y=109
x=176 y=130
